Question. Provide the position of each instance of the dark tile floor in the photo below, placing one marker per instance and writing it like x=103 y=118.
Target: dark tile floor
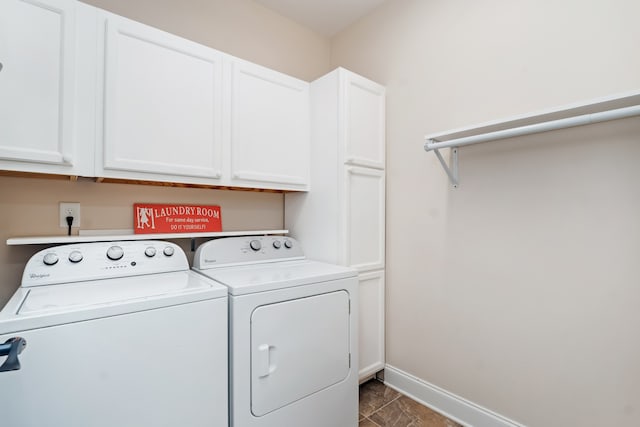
x=381 y=406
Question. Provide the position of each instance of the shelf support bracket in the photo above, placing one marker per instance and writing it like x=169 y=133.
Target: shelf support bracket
x=452 y=171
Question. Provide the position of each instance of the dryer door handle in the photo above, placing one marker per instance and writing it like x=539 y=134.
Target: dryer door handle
x=265 y=363
x=12 y=348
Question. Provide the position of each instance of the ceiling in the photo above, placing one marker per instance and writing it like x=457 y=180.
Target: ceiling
x=326 y=17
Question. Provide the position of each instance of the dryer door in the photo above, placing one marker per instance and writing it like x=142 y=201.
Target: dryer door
x=298 y=348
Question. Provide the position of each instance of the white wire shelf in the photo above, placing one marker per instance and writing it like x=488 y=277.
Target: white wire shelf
x=44 y=240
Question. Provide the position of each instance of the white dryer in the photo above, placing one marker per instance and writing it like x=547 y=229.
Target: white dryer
x=292 y=333
x=114 y=334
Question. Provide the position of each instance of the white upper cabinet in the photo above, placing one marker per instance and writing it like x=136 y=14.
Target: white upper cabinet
x=269 y=128
x=363 y=128
x=37 y=87
x=174 y=110
x=161 y=104
x=86 y=92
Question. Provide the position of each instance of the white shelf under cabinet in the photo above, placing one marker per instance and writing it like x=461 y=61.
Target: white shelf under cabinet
x=44 y=240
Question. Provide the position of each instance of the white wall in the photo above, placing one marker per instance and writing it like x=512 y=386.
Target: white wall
x=520 y=289
x=242 y=28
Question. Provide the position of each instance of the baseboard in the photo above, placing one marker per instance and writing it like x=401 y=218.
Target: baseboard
x=448 y=404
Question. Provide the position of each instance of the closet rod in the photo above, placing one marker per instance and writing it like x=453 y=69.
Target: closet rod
x=586 y=119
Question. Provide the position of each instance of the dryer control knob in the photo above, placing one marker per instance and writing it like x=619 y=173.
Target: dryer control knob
x=50 y=258
x=288 y=244
x=255 y=245
x=75 y=256
x=277 y=244
x=114 y=253
x=150 y=252
x=168 y=251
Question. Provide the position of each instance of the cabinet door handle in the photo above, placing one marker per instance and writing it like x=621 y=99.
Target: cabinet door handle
x=12 y=348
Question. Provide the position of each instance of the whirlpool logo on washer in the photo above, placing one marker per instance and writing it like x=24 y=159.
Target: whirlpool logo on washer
x=210 y=261
x=39 y=276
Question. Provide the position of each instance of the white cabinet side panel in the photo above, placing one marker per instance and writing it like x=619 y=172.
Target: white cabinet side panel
x=313 y=218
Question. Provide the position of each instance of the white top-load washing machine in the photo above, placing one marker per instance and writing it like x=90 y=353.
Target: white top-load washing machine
x=292 y=333
x=114 y=334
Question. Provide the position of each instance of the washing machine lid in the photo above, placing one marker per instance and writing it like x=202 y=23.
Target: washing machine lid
x=51 y=305
x=152 y=288
x=262 y=277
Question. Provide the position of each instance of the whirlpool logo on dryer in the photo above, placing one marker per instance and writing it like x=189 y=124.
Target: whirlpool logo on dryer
x=39 y=276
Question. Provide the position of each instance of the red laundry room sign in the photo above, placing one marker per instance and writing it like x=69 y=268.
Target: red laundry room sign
x=155 y=218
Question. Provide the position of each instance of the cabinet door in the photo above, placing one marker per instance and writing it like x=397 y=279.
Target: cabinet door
x=269 y=128
x=363 y=129
x=37 y=79
x=162 y=100
x=364 y=216
x=371 y=323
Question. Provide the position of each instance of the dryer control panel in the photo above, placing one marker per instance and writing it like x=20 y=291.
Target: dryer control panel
x=102 y=260
x=229 y=251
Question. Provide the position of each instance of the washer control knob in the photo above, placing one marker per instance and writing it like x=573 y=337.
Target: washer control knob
x=114 y=253
x=255 y=245
x=288 y=244
x=150 y=251
x=75 y=256
x=50 y=258
x=277 y=244
x=168 y=251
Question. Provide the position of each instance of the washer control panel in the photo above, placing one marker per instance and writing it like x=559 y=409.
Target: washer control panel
x=102 y=260
x=240 y=250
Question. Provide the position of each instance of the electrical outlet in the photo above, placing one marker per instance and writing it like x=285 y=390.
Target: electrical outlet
x=69 y=209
